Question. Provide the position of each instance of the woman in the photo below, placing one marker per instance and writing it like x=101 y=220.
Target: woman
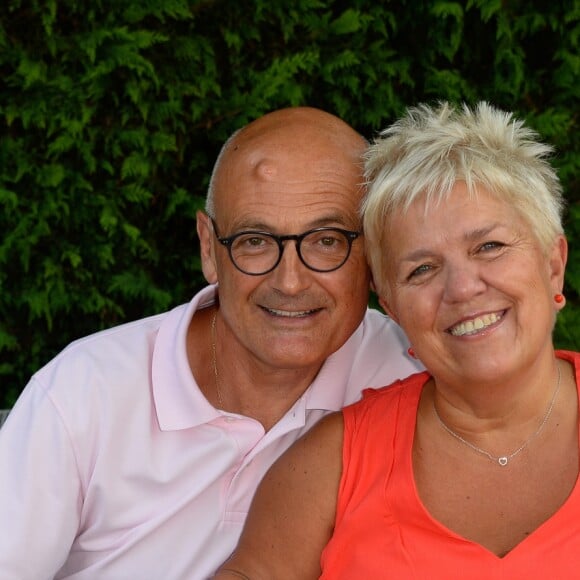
x=468 y=470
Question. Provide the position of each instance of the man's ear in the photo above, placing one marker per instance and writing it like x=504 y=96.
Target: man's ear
x=385 y=306
x=205 y=235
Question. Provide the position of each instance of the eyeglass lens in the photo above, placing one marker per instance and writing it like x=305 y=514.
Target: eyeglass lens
x=323 y=250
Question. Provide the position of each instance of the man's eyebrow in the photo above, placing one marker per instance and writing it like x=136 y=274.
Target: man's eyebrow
x=333 y=220
x=326 y=221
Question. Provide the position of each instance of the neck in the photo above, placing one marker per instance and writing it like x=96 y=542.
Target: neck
x=239 y=382
x=499 y=416
x=504 y=458
x=260 y=393
x=515 y=395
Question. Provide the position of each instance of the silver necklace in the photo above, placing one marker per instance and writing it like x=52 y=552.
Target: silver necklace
x=504 y=459
x=214 y=359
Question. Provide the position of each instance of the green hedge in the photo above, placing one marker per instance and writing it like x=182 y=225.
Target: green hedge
x=112 y=112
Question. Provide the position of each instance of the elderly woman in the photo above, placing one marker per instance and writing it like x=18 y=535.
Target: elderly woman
x=468 y=470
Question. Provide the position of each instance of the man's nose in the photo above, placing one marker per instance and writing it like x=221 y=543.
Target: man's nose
x=291 y=276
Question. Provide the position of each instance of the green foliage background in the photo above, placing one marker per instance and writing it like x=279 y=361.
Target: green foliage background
x=112 y=112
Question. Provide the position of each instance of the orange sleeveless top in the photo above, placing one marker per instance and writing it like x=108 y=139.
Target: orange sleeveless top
x=382 y=529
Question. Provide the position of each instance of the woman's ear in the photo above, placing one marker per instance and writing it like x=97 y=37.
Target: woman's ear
x=558 y=259
x=557 y=267
x=205 y=235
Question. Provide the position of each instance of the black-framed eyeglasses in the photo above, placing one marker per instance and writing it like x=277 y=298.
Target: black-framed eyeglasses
x=257 y=253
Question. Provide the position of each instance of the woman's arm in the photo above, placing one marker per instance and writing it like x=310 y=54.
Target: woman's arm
x=292 y=514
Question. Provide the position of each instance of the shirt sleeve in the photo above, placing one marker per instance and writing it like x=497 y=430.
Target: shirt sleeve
x=40 y=489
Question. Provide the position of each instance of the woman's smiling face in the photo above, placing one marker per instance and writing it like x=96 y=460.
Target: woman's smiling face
x=470 y=285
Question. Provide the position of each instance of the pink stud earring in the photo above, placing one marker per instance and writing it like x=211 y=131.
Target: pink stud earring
x=559 y=298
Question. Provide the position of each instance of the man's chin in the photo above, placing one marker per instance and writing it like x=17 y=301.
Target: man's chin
x=296 y=359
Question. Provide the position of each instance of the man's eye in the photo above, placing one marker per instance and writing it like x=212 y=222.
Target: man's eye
x=254 y=241
x=328 y=241
x=325 y=239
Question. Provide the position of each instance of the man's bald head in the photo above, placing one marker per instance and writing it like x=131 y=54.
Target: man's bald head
x=283 y=140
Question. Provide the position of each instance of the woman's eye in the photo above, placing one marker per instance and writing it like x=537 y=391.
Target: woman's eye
x=422 y=269
x=489 y=246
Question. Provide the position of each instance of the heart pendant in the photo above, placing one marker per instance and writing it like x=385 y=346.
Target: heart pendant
x=502 y=461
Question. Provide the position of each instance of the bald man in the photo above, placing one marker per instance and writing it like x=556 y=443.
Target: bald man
x=135 y=453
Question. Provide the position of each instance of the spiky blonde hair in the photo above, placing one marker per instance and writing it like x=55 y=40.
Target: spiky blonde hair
x=428 y=150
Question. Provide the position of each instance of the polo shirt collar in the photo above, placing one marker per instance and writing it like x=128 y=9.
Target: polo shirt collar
x=179 y=402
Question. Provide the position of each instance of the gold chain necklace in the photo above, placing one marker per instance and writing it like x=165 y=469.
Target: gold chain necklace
x=214 y=359
x=504 y=459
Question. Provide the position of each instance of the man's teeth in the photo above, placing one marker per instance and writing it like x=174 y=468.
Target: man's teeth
x=475 y=325
x=289 y=314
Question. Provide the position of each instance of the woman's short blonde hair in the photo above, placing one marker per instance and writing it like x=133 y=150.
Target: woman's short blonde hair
x=431 y=148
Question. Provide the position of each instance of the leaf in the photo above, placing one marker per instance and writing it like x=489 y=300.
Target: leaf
x=347 y=23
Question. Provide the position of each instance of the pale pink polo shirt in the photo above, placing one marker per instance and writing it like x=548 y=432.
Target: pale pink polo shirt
x=113 y=466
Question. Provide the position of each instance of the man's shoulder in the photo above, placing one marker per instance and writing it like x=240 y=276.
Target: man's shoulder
x=377 y=355
x=378 y=320
x=138 y=334
x=380 y=332
x=131 y=334
x=106 y=353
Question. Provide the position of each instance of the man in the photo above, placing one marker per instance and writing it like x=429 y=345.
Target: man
x=135 y=453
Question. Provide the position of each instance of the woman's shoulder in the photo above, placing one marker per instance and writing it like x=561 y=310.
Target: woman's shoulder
x=383 y=406
x=569 y=355
x=409 y=386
